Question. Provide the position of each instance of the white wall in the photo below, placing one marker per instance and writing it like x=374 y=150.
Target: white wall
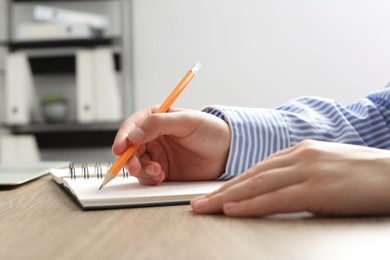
x=260 y=52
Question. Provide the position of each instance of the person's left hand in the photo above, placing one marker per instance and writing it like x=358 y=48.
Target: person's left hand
x=319 y=177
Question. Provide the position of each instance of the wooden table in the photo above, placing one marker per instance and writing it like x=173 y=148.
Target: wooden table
x=39 y=220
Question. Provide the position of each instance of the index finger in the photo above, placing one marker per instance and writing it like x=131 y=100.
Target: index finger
x=281 y=159
x=121 y=141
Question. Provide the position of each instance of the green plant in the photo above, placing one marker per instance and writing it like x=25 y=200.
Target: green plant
x=53 y=99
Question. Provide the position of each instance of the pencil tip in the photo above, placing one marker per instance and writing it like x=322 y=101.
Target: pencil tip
x=109 y=176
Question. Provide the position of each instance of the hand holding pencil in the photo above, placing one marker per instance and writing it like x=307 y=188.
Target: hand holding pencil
x=125 y=156
x=181 y=145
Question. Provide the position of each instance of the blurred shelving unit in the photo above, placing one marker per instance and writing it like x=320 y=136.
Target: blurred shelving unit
x=52 y=62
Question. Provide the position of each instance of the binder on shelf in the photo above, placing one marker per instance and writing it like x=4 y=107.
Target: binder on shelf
x=4 y=20
x=19 y=90
x=108 y=101
x=65 y=16
x=98 y=97
x=2 y=101
x=44 y=31
x=3 y=53
x=84 y=87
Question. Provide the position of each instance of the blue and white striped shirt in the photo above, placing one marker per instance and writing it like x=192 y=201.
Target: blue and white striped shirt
x=258 y=132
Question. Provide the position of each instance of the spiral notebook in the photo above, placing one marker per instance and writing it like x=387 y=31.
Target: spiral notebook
x=83 y=182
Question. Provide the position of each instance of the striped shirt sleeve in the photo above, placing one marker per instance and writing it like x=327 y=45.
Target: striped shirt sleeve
x=258 y=132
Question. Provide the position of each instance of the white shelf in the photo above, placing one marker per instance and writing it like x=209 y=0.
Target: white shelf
x=57 y=50
x=117 y=38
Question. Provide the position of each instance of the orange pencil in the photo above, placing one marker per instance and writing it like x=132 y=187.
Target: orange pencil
x=125 y=156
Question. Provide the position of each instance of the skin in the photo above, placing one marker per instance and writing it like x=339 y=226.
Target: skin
x=180 y=145
x=319 y=177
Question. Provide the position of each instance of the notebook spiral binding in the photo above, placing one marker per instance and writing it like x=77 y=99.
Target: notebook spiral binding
x=83 y=170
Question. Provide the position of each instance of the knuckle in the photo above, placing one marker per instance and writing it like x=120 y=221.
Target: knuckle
x=218 y=199
x=154 y=120
x=153 y=108
x=309 y=149
x=306 y=143
x=255 y=181
x=254 y=170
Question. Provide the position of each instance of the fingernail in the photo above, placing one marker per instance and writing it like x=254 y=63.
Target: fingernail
x=136 y=135
x=197 y=198
x=201 y=203
x=149 y=171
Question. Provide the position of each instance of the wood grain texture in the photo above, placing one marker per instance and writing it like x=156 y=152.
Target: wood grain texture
x=39 y=220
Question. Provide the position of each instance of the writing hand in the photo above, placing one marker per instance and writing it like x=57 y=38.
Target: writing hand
x=178 y=145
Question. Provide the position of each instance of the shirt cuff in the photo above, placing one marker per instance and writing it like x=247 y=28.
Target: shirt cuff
x=256 y=133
